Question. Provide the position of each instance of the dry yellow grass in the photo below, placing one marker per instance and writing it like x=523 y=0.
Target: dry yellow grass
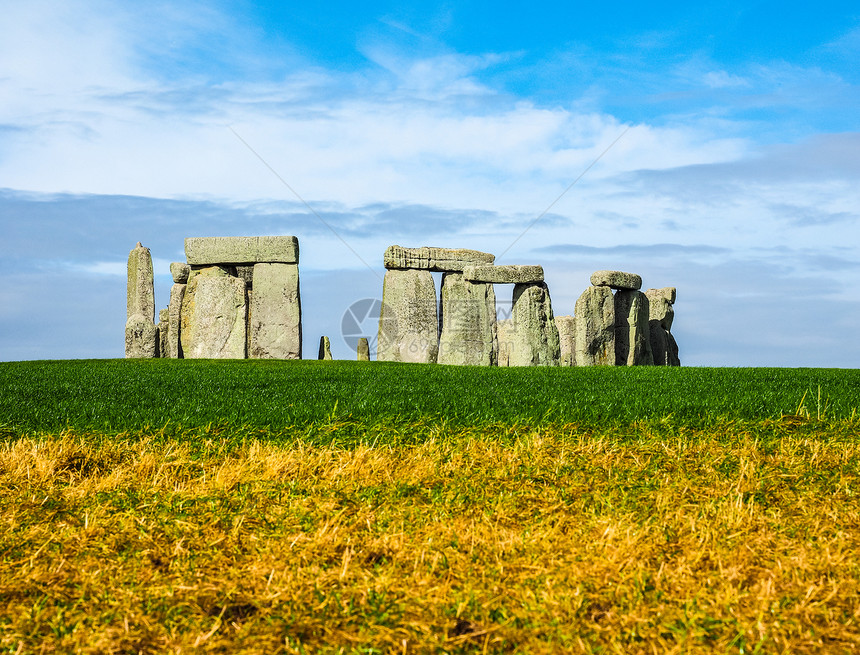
x=651 y=539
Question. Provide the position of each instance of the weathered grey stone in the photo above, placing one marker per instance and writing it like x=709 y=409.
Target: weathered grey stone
x=468 y=320
x=595 y=327
x=408 y=326
x=275 y=313
x=246 y=272
x=616 y=280
x=566 y=326
x=660 y=306
x=535 y=336
x=325 y=348
x=505 y=339
x=141 y=337
x=503 y=274
x=242 y=250
x=667 y=293
x=661 y=315
x=174 y=348
x=213 y=316
x=363 y=350
x=180 y=271
x=140 y=296
x=632 y=334
x=434 y=259
x=162 y=329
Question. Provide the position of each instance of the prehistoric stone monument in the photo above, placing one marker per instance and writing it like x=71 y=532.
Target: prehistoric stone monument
x=615 y=324
x=464 y=331
x=236 y=297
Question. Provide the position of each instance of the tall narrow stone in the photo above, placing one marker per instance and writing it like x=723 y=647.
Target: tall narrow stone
x=535 y=335
x=325 y=348
x=162 y=327
x=213 y=316
x=468 y=320
x=275 y=312
x=566 y=326
x=661 y=315
x=141 y=291
x=141 y=335
x=595 y=327
x=408 y=326
x=632 y=336
x=363 y=350
x=174 y=318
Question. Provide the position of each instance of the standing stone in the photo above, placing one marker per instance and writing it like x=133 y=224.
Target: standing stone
x=325 y=348
x=141 y=291
x=566 y=326
x=468 y=320
x=174 y=318
x=505 y=338
x=661 y=315
x=162 y=327
x=141 y=335
x=141 y=338
x=595 y=327
x=363 y=350
x=275 y=312
x=632 y=336
x=408 y=326
x=535 y=336
x=213 y=316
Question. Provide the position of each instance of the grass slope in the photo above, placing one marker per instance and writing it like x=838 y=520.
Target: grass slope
x=117 y=395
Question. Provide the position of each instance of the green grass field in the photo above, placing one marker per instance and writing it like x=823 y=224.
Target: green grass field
x=120 y=395
x=340 y=507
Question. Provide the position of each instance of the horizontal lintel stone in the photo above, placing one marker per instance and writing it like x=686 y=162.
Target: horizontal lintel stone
x=445 y=260
x=201 y=251
x=616 y=280
x=504 y=274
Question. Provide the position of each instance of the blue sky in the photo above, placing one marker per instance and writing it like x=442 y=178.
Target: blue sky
x=735 y=178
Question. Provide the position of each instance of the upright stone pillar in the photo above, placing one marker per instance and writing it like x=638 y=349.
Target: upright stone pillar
x=566 y=326
x=325 y=349
x=468 y=320
x=535 y=335
x=363 y=350
x=408 y=325
x=632 y=336
x=180 y=272
x=141 y=334
x=275 y=313
x=162 y=328
x=213 y=316
x=595 y=327
x=661 y=315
